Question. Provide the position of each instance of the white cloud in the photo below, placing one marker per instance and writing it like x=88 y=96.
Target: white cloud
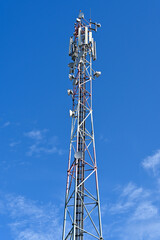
x=128 y=189
x=38 y=149
x=6 y=124
x=129 y=196
x=140 y=230
x=144 y=211
x=36 y=134
x=42 y=144
x=30 y=220
x=137 y=211
x=152 y=162
x=13 y=144
x=132 y=191
x=135 y=215
x=103 y=138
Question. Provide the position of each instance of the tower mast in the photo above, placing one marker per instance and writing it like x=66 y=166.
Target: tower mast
x=82 y=215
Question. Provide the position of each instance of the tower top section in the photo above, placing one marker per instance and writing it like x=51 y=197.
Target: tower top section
x=82 y=39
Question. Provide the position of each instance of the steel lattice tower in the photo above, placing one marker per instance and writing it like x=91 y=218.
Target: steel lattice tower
x=82 y=214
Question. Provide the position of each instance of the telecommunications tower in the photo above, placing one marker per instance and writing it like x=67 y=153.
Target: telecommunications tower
x=82 y=214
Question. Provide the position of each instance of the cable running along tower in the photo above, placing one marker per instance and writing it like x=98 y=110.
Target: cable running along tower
x=82 y=214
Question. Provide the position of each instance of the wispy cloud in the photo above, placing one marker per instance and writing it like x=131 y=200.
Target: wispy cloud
x=36 y=134
x=136 y=213
x=129 y=196
x=30 y=220
x=103 y=138
x=38 y=149
x=145 y=210
x=42 y=144
x=140 y=230
x=6 y=124
x=15 y=143
x=152 y=162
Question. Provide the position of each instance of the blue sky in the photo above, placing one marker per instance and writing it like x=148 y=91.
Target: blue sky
x=35 y=123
